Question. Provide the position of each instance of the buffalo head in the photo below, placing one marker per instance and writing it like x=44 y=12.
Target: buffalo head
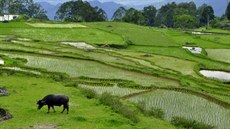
x=41 y=103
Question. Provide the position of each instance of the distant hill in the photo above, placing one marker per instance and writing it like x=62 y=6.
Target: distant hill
x=108 y=7
x=219 y=6
x=51 y=9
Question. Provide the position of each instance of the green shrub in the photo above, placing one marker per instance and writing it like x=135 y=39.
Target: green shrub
x=142 y=106
x=21 y=18
x=184 y=82
x=88 y=93
x=109 y=100
x=5 y=21
x=155 y=112
x=118 y=106
x=189 y=124
x=32 y=20
x=71 y=84
x=129 y=42
x=79 y=118
x=4 y=72
x=19 y=61
x=59 y=76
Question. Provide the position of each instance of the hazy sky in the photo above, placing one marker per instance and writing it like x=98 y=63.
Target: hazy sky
x=124 y=2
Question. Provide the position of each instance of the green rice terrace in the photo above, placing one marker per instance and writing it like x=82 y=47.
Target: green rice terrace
x=117 y=75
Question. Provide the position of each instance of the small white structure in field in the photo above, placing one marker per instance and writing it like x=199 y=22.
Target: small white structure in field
x=1 y=18
x=221 y=75
x=8 y=17
x=2 y=62
x=200 y=33
x=81 y=45
x=195 y=50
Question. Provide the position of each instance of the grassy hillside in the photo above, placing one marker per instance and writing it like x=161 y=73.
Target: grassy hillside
x=148 y=36
x=146 y=68
x=54 y=34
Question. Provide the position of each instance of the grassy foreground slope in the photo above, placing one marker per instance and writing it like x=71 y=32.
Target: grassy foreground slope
x=84 y=113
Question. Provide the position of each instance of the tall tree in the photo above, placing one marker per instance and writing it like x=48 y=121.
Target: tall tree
x=205 y=14
x=166 y=14
x=119 y=14
x=208 y=14
x=34 y=10
x=134 y=16
x=228 y=11
x=187 y=8
x=78 y=11
x=149 y=13
x=18 y=7
x=3 y=6
x=185 y=21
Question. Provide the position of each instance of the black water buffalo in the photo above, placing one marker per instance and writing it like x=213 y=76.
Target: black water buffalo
x=54 y=100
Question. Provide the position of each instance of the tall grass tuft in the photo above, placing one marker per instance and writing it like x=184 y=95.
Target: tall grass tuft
x=189 y=124
x=153 y=111
x=118 y=106
x=88 y=93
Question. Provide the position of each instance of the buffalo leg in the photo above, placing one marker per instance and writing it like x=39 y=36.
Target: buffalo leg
x=65 y=107
x=53 y=108
x=48 y=109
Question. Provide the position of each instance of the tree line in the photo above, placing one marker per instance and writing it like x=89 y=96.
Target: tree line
x=172 y=15
x=182 y=15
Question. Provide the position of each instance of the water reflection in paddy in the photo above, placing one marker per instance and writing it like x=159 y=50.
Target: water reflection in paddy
x=220 y=75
